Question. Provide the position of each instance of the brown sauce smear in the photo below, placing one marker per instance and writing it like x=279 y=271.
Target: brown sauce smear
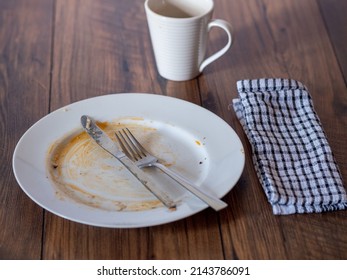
x=83 y=172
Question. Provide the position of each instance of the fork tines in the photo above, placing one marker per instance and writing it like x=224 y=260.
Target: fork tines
x=130 y=146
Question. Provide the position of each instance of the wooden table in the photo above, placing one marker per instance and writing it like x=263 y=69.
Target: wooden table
x=54 y=52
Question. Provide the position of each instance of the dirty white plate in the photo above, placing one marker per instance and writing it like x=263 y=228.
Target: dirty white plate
x=189 y=139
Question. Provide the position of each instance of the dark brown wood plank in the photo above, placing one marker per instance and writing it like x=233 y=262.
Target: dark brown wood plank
x=334 y=14
x=285 y=39
x=103 y=47
x=25 y=43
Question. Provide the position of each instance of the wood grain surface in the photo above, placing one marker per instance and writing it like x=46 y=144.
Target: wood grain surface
x=55 y=52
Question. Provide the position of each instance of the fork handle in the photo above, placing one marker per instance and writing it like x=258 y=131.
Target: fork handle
x=213 y=202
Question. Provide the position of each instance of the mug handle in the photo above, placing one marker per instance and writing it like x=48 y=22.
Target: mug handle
x=226 y=26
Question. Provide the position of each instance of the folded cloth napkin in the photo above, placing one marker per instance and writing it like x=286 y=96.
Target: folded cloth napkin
x=291 y=154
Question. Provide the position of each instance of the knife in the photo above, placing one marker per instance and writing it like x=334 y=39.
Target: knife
x=105 y=142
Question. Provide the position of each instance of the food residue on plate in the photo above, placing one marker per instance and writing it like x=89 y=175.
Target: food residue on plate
x=84 y=172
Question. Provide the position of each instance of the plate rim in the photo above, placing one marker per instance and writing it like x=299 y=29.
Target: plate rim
x=115 y=95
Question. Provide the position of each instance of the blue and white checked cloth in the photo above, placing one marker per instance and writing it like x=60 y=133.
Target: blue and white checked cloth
x=291 y=154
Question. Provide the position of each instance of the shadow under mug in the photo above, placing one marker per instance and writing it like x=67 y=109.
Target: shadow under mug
x=179 y=34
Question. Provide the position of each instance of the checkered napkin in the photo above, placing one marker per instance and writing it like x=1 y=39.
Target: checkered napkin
x=291 y=154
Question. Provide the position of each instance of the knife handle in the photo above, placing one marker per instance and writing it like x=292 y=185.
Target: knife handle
x=148 y=183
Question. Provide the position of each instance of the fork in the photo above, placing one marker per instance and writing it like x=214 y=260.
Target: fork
x=142 y=158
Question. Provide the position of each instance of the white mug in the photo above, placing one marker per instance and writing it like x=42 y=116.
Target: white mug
x=179 y=32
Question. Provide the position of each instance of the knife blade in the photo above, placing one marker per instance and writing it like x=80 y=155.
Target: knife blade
x=105 y=142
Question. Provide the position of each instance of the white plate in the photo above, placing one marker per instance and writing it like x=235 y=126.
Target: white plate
x=189 y=138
